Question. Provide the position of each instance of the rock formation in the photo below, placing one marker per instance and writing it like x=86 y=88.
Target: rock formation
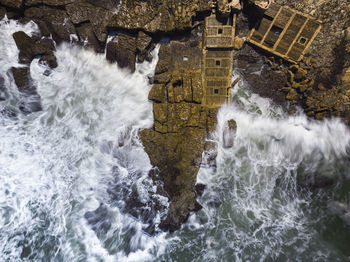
x=181 y=125
x=320 y=83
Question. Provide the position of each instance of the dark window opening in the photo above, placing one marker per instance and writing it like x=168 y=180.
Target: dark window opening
x=177 y=83
x=276 y=30
x=218 y=62
x=216 y=91
x=220 y=31
x=268 y=18
x=302 y=40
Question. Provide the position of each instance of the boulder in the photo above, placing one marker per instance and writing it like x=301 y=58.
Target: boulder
x=12 y=3
x=229 y=133
x=28 y=47
x=123 y=51
x=23 y=79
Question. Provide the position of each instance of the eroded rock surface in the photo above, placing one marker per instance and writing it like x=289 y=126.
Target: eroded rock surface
x=181 y=125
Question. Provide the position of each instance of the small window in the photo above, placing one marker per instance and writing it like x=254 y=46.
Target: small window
x=218 y=62
x=216 y=91
x=276 y=30
x=302 y=40
x=220 y=31
x=185 y=58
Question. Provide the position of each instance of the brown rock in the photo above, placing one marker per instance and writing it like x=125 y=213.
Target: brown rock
x=144 y=47
x=110 y=5
x=49 y=59
x=88 y=38
x=99 y=19
x=47 y=2
x=123 y=51
x=56 y=20
x=79 y=12
x=23 y=79
x=157 y=15
x=157 y=93
x=28 y=47
x=229 y=133
x=12 y=3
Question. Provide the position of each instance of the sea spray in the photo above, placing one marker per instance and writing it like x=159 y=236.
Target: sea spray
x=254 y=206
x=59 y=164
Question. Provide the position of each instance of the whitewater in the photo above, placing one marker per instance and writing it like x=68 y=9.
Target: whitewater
x=68 y=172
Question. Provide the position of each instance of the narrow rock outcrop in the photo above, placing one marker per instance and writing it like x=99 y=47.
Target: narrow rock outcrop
x=181 y=125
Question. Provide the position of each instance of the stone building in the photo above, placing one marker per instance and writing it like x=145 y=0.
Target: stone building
x=285 y=32
x=217 y=60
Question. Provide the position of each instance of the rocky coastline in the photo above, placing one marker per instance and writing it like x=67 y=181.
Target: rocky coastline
x=128 y=31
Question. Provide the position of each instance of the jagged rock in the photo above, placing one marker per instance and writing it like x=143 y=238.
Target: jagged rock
x=88 y=37
x=262 y=79
x=28 y=47
x=199 y=188
x=157 y=93
x=12 y=3
x=30 y=100
x=181 y=124
x=123 y=51
x=23 y=79
x=79 y=12
x=110 y=5
x=57 y=21
x=47 y=2
x=211 y=152
x=49 y=59
x=144 y=47
x=229 y=133
x=157 y=15
x=177 y=155
x=99 y=19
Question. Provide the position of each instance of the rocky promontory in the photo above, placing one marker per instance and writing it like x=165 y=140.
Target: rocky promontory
x=127 y=31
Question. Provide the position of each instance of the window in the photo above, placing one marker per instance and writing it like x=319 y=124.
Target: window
x=302 y=40
x=216 y=91
x=218 y=62
x=220 y=31
x=276 y=30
